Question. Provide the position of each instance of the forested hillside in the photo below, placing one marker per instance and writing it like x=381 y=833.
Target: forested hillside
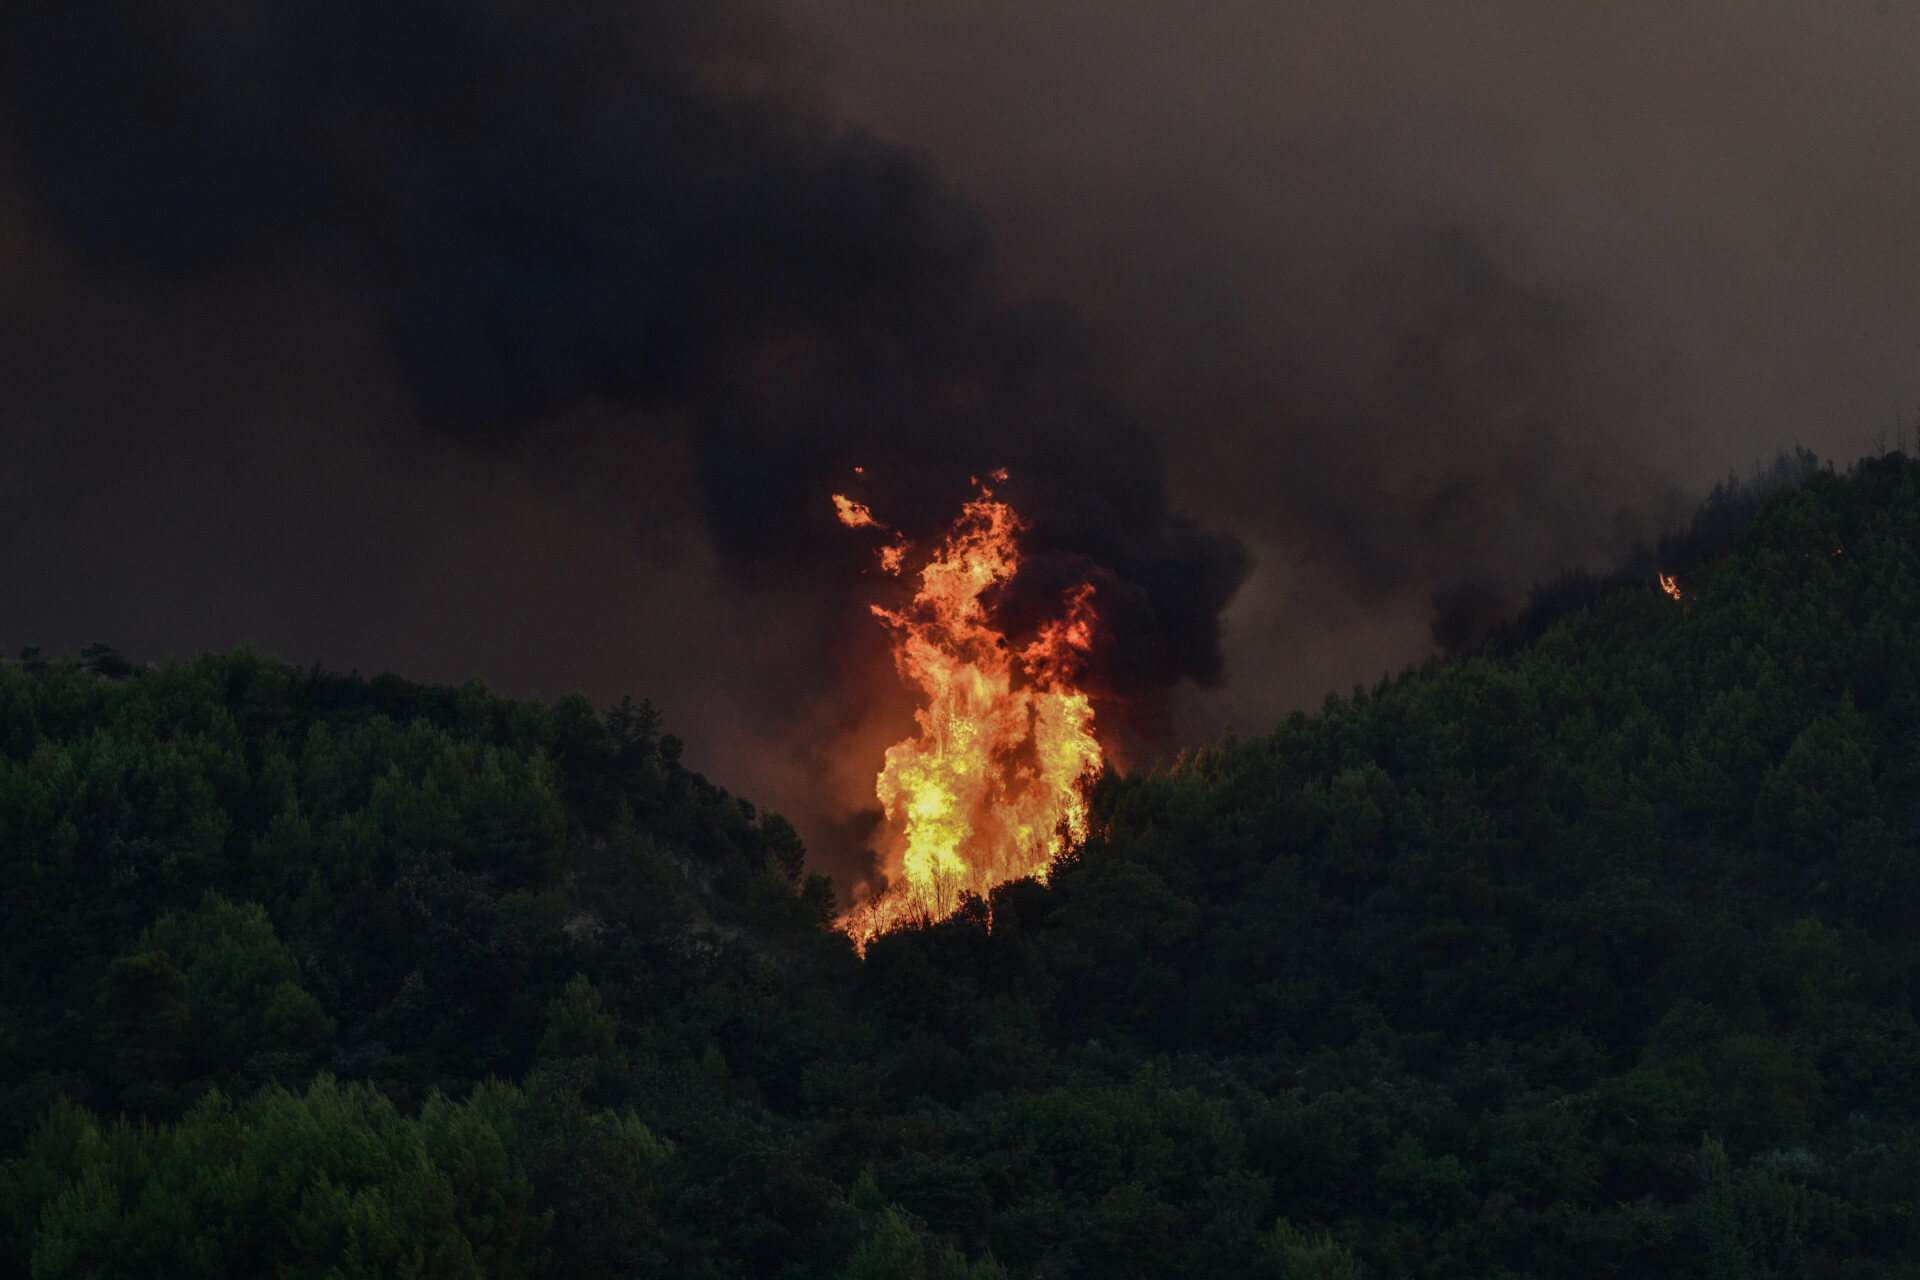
x=1597 y=959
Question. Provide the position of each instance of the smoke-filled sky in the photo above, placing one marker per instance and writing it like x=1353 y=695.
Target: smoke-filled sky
x=527 y=340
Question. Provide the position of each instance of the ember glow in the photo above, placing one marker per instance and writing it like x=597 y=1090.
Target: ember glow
x=993 y=785
x=853 y=514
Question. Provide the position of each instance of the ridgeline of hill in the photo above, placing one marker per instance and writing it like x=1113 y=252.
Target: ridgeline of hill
x=1598 y=959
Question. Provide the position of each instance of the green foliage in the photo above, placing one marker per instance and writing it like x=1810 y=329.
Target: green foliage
x=1291 y=1254
x=898 y=1249
x=597 y=1171
x=332 y=1182
x=578 y=1025
x=1597 y=959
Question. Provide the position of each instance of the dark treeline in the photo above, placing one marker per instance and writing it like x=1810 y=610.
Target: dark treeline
x=1594 y=959
x=1716 y=524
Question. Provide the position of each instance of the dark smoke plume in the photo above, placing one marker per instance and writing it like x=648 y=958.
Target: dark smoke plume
x=548 y=206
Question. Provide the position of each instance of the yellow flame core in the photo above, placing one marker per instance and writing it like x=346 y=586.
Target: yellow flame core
x=992 y=785
x=1669 y=585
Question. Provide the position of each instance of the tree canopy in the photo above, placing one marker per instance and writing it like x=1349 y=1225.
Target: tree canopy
x=1590 y=956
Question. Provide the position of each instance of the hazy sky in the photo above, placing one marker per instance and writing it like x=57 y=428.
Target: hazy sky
x=1419 y=303
x=1701 y=225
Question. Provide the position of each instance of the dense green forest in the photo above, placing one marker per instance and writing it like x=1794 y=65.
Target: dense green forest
x=1595 y=957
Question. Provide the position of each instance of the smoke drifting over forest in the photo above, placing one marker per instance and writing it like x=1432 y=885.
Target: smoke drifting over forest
x=529 y=339
x=539 y=207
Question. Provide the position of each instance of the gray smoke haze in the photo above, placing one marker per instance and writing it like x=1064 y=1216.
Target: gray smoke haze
x=524 y=340
x=1430 y=301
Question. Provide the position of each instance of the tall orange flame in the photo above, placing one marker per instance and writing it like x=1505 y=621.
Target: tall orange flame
x=993 y=784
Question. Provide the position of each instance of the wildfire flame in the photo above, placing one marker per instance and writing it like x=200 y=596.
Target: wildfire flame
x=1668 y=585
x=993 y=784
x=853 y=514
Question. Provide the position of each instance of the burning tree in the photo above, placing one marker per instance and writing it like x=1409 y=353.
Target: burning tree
x=992 y=785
